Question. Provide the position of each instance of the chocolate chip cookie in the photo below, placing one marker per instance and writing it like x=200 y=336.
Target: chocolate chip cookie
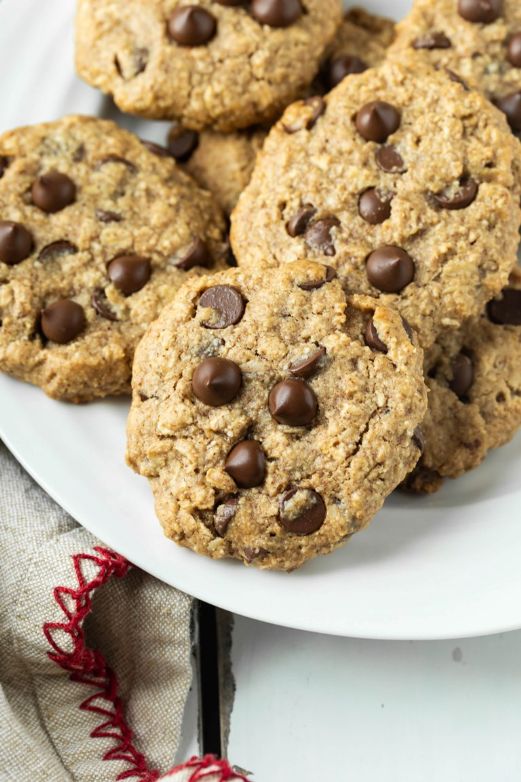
x=402 y=181
x=474 y=379
x=96 y=234
x=272 y=415
x=217 y=63
x=478 y=41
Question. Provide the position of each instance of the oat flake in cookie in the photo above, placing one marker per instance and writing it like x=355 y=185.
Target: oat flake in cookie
x=403 y=182
x=96 y=235
x=273 y=416
x=221 y=64
x=474 y=379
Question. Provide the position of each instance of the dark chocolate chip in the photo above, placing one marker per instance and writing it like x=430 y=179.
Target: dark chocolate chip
x=230 y=3
x=191 y=25
x=307 y=366
x=297 y=224
x=293 y=403
x=52 y=192
x=101 y=305
x=337 y=68
x=277 y=13
x=372 y=340
x=4 y=163
x=216 y=381
x=246 y=464
x=389 y=160
x=129 y=273
x=318 y=235
x=408 y=329
x=227 y=303
x=434 y=40
x=118 y=160
x=63 y=321
x=311 y=285
x=511 y=106
x=182 y=143
x=376 y=121
x=57 y=249
x=418 y=439
x=480 y=11
x=105 y=216
x=314 y=108
x=506 y=311
x=457 y=79
x=156 y=149
x=462 y=375
x=79 y=153
x=458 y=198
x=16 y=242
x=373 y=207
x=301 y=511
x=390 y=269
x=197 y=254
x=514 y=50
x=224 y=513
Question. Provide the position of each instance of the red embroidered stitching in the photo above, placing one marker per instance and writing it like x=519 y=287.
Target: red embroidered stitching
x=207 y=767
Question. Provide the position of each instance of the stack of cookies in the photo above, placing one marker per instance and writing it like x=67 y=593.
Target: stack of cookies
x=311 y=288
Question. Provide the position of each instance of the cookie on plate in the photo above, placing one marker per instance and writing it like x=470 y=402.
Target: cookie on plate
x=401 y=180
x=272 y=415
x=218 y=63
x=477 y=40
x=474 y=379
x=96 y=234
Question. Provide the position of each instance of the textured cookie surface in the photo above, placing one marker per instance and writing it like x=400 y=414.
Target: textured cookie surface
x=474 y=392
x=214 y=64
x=478 y=40
x=268 y=427
x=401 y=180
x=96 y=234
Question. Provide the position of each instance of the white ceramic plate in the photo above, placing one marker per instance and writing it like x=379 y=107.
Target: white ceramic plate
x=427 y=568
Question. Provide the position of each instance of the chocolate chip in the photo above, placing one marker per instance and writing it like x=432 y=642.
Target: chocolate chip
x=4 y=164
x=305 y=367
x=462 y=375
x=337 y=68
x=118 y=160
x=511 y=106
x=79 y=153
x=197 y=254
x=293 y=403
x=434 y=40
x=227 y=303
x=301 y=511
x=389 y=160
x=418 y=439
x=377 y=120
x=52 y=192
x=318 y=235
x=63 y=321
x=514 y=50
x=216 y=381
x=297 y=224
x=101 y=305
x=129 y=273
x=506 y=311
x=311 y=285
x=458 y=198
x=372 y=340
x=156 y=149
x=314 y=108
x=105 y=216
x=373 y=207
x=230 y=3
x=246 y=464
x=277 y=13
x=57 y=249
x=16 y=242
x=191 y=25
x=480 y=11
x=137 y=63
x=390 y=269
x=408 y=329
x=457 y=79
x=224 y=513
x=182 y=143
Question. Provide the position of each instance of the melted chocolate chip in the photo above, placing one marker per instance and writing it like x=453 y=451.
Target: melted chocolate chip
x=197 y=254
x=182 y=143
x=434 y=40
x=277 y=13
x=506 y=311
x=216 y=381
x=129 y=273
x=376 y=121
x=315 y=107
x=297 y=224
x=105 y=216
x=293 y=403
x=308 y=366
x=390 y=269
x=510 y=105
x=301 y=511
x=480 y=11
x=458 y=198
x=52 y=192
x=372 y=340
x=101 y=305
x=337 y=68
x=63 y=321
x=57 y=249
x=389 y=160
x=227 y=303
x=514 y=50
x=462 y=375
x=246 y=464
x=373 y=207
x=224 y=513
x=311 y=285
x=16 y=242
x=191 y=25
x=319 y=237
